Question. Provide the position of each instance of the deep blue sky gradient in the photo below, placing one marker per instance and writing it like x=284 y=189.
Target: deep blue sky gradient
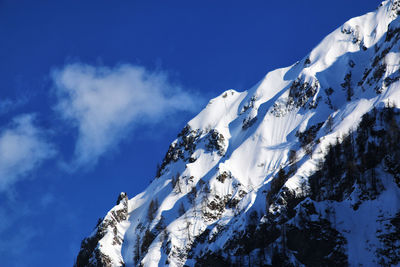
x=205 y=46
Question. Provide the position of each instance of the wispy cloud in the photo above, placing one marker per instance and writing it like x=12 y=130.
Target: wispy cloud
x=106 y=103
x=23 y=148
x=7 y=105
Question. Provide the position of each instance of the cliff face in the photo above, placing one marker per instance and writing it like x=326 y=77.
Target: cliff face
x=302 y=169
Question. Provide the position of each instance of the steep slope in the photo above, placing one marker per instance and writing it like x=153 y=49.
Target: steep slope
x=301 y=169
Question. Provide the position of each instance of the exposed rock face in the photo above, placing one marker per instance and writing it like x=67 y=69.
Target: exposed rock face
x=90 y=253
x=301 y=170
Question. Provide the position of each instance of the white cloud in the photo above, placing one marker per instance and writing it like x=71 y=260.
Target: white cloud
x=22 y=149
x=105 y=103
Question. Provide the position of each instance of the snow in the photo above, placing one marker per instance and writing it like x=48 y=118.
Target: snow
x=254 y=155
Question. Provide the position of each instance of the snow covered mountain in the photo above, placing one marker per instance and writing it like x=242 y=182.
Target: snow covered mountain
x=303 y=169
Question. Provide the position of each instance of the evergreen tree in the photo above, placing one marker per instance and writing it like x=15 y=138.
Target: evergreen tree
x=181 y=209
x=329 y=124
x=153 y=207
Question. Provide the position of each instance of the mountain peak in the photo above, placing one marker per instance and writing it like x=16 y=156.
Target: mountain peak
x=260 y=177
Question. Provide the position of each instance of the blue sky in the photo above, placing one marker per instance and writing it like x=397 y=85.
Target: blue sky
x=93 y=92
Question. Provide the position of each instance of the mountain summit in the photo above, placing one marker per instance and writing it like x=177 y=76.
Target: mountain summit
x=303 y=169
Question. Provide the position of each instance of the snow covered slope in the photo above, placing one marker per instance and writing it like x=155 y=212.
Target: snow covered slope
x=300 y=170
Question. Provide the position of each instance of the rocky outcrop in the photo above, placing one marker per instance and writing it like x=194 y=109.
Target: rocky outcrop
x=90 y=254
